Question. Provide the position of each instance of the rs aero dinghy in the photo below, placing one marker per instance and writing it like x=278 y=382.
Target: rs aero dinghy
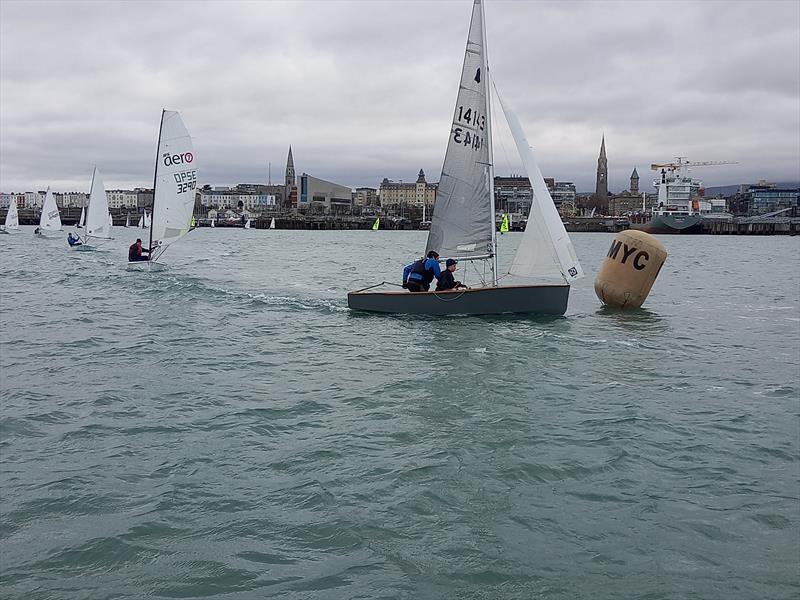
x=463 y=224
x=174 y=184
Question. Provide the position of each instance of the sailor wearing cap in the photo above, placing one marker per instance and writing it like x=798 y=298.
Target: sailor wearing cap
x=447 y=281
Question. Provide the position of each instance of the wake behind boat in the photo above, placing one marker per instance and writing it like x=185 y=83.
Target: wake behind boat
x=463 y=224
x=174 y=183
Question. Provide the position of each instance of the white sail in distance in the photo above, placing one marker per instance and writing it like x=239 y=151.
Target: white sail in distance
x=82 y=220
x=463 y=215
x=50 y=220
x=545 y=250
x=97 y=217
x=12 y=216
x=175 y=184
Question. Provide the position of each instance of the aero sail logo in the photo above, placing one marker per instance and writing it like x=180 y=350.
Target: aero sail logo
x=177 y=159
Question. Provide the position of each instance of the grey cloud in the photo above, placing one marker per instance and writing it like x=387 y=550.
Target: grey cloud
x=365 y=90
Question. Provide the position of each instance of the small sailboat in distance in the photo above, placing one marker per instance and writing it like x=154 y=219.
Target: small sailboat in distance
x=127 y=221
x=247 y=224
x=272 y=223
x=463 y=226
x=377 y=224
x=98 y=219
x=82 y=220
x=12 y=217
x=174 y=184
x=50 y=220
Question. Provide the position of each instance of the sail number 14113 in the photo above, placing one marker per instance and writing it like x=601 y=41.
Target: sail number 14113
x=474 y=122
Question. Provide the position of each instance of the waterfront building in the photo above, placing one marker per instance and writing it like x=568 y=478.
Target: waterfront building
x=627 y=202
x=397 y=194
x=763 y=199
x=365 y=196
x=144 y=198
x=323 y=197
x=122 y=199
x=6 y=199
x=32 y=200
x=513 y=194
x=74 y=199
x=563 y=191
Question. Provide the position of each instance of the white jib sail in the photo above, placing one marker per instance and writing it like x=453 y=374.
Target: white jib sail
x=462 y=223
x=545 y=250
x=97 y=217
x=176 y=180
x=12 y=216
x=50 y=219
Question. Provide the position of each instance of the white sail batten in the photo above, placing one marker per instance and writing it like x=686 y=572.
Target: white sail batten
x=175 y=183
x=462 y=216
x=545 y=250
x=12 y=216
x=97 y=222
x=50 y=220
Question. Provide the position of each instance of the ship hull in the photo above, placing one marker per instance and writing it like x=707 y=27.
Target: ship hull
x=672 y=224
x=512 y=299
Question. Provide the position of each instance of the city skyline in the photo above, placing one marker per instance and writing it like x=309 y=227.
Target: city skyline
x=374 y=98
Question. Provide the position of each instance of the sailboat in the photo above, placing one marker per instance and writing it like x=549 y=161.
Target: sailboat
x=247 y=224
x=272 y=223
x=50 y=220
x=12 y=218
x=377 y=224
x=174 y=183
x=504 y=225
x=213 y=222
x=82 y=220
x=127 y=221
x=110 y=220
x=98 y=219
x=463 y=224
x=144 y=221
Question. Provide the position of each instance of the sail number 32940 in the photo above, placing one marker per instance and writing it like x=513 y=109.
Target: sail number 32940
x=187 y=180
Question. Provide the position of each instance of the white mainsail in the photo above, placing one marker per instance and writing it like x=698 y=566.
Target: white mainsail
x=463 y=216
x=148 y=218
x=127 y=221
x=12 y=216
x=50 y=219
x=175 y=183
x=545 y=250
x=97 y=217
x=272 y=223
x=82 y=220
x=247 y=224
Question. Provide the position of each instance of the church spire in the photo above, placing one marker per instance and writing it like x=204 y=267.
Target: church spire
x=290 y=177
x=601 y=188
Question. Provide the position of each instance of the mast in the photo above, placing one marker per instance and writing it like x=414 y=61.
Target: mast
x=155 y=175
x=91 y=187
x=487 y=91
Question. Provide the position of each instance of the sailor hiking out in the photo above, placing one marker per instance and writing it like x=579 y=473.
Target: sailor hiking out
x=417 y=276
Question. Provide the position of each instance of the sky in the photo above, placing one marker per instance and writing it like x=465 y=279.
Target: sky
x=364 y=90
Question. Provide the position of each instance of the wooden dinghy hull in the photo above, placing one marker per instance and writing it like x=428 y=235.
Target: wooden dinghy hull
x=512 y=299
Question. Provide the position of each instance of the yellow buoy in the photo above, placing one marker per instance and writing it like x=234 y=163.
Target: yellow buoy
x=629 y=269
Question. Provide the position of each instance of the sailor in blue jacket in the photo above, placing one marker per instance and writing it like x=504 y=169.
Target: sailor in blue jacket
x=418 y=275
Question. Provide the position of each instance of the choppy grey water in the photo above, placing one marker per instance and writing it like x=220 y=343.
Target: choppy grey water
x=228 y=429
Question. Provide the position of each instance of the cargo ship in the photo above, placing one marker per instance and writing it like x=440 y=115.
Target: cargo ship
x=681 y=205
